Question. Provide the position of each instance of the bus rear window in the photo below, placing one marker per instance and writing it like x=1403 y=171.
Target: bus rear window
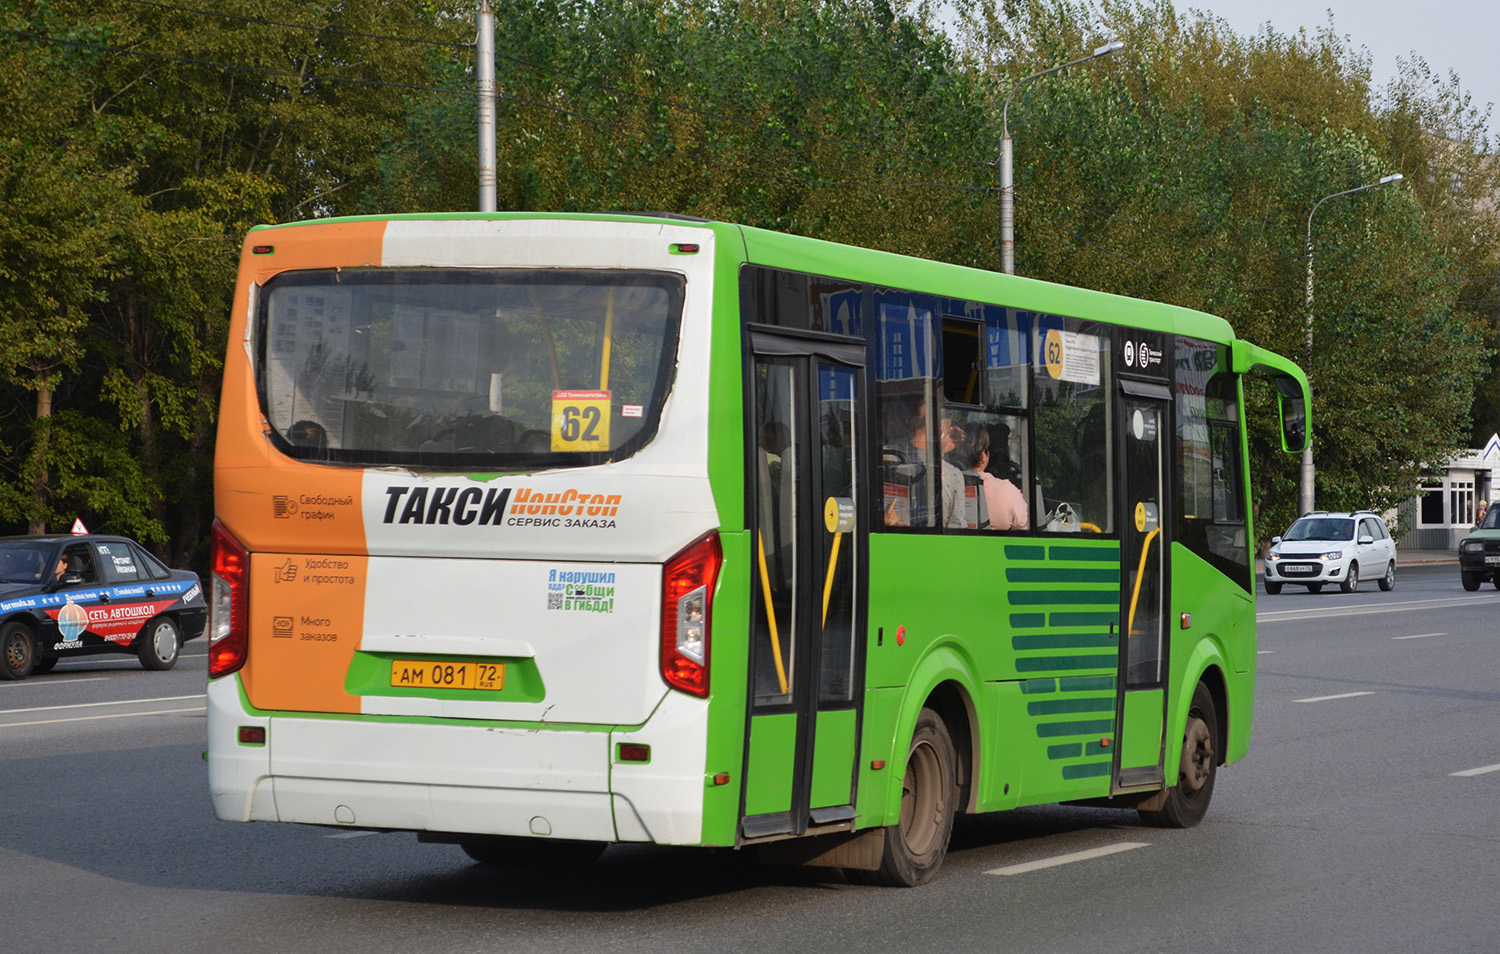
x=496 y=369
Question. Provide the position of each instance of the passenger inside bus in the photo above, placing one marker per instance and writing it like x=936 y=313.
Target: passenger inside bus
x=1004 y=503
x=908 y=492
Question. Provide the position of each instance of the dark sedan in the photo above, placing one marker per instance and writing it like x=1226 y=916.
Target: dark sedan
x=79 y=595
x=1479 y=552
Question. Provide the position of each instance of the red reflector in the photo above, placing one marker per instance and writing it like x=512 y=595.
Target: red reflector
x=634 y=753
x=1105 y=743
x=878 y=764
x=722 y=778
x=686 y=248
x=252 y=735
x=262 y=249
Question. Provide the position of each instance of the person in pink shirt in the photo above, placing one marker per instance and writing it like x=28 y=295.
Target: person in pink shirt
x=1004 y=501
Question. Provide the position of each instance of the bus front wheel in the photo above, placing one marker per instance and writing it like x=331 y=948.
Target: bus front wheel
x=1187 y=801
x=916 y=845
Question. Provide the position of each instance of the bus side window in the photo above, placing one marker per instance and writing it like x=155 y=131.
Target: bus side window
x=1074 y=432
x=909 y=494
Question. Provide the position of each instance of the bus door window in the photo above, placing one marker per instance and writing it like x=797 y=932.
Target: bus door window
x=1073 y=427
x=775 y=539
x=837 y=426
x=1144 y=548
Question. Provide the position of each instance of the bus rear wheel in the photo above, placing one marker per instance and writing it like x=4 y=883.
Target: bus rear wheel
x=1187 y=801
x=917 y=844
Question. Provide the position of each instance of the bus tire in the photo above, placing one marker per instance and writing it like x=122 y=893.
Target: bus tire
x=1272 y=589
x=17 y=651
x=158 y=644
x=1187 y=801
x=916 y=845
x=533 y=852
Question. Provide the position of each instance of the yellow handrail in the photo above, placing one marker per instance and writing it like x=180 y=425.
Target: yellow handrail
x=609 y=337
x=765 y=585
x=1140 y=573
x=833 y=562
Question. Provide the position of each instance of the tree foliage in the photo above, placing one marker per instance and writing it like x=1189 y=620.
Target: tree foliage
x=140 y=140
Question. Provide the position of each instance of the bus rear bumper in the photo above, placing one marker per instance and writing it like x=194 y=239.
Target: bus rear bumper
x=455 y=778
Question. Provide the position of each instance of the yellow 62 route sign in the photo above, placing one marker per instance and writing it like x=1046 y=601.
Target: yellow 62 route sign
x=580 y=420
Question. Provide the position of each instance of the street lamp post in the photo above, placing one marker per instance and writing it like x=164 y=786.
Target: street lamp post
x=1007 y=187
x=1305 y=497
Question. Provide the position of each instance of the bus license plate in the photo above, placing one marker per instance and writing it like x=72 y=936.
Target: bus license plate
x=427 y=674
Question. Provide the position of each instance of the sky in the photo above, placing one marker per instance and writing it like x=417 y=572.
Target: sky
x=1461 y=35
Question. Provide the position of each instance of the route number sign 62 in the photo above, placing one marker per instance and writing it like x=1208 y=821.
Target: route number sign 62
x=580 y=420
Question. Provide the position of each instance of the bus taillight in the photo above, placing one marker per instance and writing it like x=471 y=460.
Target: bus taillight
x=687 y=586
x=229 y=606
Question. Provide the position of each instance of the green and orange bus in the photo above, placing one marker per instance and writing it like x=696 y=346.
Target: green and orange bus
x=540 y=532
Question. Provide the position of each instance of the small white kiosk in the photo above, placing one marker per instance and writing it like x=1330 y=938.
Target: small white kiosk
x=1447 y=505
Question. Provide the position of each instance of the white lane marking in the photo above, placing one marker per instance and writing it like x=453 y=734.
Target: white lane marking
x=112 y=715
x=1468 y=773
x=90 y=705
x=354 y=834
x=1265 y=652
x=1342 y=695
x=1069 y=858
x=1419 y=636
x=1364 y=609
x=53 y=681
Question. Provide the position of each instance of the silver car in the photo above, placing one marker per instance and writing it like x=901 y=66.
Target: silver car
x=1342 y=548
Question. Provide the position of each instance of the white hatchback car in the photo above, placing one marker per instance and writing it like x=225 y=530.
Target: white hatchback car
x=1340 y=548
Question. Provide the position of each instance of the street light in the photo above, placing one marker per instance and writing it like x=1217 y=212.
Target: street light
x=1007 y=188
x=1305 y=502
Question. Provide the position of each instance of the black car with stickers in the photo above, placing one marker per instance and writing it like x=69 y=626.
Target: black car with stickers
x=79 y=595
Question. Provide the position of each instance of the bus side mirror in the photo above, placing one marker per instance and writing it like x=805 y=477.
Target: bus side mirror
x=1293 y=410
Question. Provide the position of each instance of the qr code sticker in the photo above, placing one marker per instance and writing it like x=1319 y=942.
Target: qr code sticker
x=554 y=601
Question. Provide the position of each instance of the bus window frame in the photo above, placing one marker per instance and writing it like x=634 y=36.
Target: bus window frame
x=673 y=284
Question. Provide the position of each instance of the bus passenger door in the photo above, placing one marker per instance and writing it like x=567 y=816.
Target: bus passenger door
x=806 y=447
x=1144 y=539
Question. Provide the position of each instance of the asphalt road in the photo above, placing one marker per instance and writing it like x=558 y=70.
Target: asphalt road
x=1367 y=818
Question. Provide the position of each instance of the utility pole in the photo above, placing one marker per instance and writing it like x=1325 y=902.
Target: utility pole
x=485 y=69
x=1005 y=161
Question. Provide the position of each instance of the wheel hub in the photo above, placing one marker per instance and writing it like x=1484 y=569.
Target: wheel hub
x=1197 y=755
